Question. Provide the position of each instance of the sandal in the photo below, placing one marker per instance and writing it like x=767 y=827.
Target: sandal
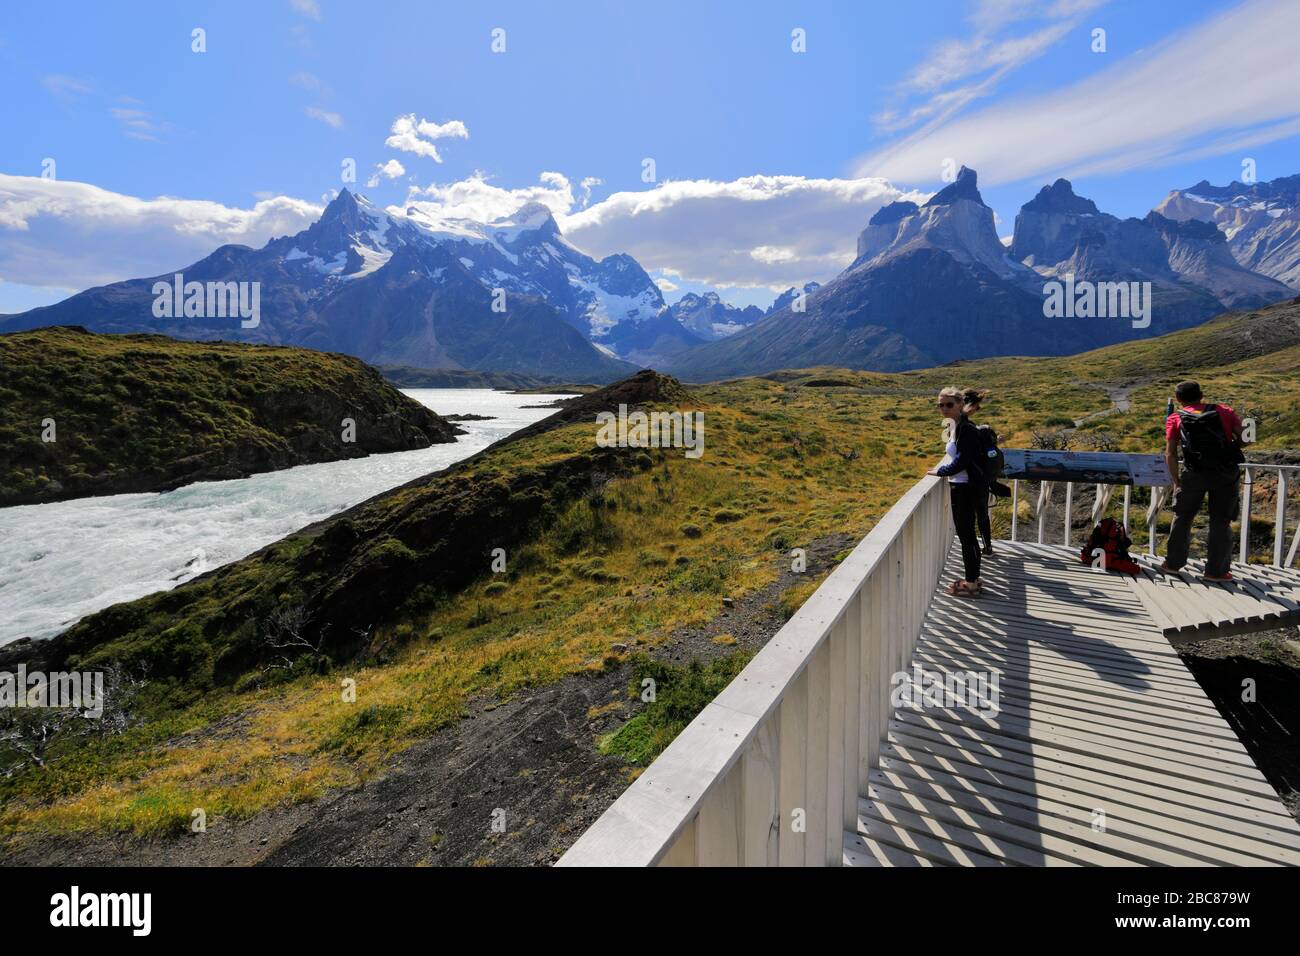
x=965 y=589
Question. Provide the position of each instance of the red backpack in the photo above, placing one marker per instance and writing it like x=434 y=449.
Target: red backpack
x=1111 y=538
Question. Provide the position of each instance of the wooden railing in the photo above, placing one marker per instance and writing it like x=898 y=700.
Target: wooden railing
x=1282 y=556
x=770 y=771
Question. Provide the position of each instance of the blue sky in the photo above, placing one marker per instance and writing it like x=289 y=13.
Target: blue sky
x=712 y=92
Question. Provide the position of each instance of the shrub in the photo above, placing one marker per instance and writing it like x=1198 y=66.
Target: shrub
x=680 y=694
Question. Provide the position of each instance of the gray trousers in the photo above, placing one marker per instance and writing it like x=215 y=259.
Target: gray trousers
x=1221 y=487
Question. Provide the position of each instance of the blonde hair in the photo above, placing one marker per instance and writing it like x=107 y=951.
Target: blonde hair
x=968 y=398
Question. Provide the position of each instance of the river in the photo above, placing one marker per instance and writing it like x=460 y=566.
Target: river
x=64 y=560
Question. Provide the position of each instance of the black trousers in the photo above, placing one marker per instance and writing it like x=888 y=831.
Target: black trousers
x=1220 y=485
x=965 y=501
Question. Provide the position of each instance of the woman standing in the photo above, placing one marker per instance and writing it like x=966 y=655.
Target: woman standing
x=965 y=485
x=972 y=398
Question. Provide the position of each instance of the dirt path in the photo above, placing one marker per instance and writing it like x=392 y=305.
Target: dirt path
x=529 y=761
x=1119 y=402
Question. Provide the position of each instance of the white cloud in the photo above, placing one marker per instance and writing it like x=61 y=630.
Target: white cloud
x=389 y=170
x=74 y=235
x=63 y=86
x=665 y=284
x=766 y=231
x=1192 y=95
x=135 y=122
x=958 y=72
x=307 y=8
x=416 y=136
x=477 y=199
x=586 y=186
x=308 y=81
x=325 y=116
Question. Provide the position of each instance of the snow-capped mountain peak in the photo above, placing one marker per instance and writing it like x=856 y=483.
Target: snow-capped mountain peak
x=1261 y=221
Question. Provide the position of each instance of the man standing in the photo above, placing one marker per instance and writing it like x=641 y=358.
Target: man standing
x=1210 y=439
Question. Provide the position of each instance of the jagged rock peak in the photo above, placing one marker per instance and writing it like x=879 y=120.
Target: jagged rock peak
x=1061 y=197
x=963 y=187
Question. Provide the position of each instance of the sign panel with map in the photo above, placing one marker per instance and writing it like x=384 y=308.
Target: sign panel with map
x=1090 y=467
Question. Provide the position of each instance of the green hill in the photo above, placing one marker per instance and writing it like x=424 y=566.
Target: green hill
x=88 y=414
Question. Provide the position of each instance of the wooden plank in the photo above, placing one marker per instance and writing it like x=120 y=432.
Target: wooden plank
x=862 y=852
x=718 y=836
x=816 y=783
x=682 y=852
x=855 y=770
x=925 y=758
x=793 y=764
x=1182 y=836
x=761 y=773
x=1029 y=754
x=886 y=839
x=1066 y=676
x=991 y=841
x=1048 y=649
x=833 y=808
x=1038 y=829
x=1238 y=776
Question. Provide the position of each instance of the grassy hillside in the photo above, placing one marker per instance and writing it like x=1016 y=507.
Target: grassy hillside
x=89 y=414
x=609 y=554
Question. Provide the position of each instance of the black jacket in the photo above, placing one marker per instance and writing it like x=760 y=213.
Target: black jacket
x=970 y=454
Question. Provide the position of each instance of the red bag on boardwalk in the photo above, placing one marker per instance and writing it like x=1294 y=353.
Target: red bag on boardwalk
x=1111 y=538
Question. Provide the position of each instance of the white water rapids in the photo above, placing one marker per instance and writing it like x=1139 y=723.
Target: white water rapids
x=62 y=561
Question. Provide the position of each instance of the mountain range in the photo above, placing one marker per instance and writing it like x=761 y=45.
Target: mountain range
x=933 y=283
x=930 y=283
x=1261 y=221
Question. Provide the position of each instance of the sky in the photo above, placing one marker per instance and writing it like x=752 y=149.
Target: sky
x=726 y=145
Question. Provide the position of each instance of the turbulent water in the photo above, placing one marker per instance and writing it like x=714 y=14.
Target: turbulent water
x=62 y=561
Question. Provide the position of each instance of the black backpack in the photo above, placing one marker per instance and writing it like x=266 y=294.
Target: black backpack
x=993 y=461
x=1205 y=445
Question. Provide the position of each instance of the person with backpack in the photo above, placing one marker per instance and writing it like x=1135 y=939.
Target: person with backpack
x=966 y=485
x=992 y=461
x=1209 y=437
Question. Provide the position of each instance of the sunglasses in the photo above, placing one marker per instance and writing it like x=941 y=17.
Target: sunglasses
x=947 y=404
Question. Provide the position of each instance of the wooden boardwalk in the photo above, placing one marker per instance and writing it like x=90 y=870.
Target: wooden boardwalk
x=1188 y=609
x=1103 y=749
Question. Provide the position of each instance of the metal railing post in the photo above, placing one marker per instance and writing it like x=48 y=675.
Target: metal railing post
x=1279 y=528
x=1015 y=506
x=1044 y=495
x=1244 y=548
x=1069 y=503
